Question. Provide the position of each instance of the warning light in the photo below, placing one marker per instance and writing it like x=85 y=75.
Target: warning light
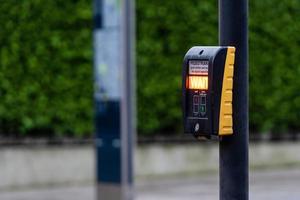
x=198 y=82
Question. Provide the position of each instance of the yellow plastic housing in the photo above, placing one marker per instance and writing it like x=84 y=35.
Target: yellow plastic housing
x=225 y=118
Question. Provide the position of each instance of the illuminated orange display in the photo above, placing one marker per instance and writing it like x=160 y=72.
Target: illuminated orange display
x=197 y=82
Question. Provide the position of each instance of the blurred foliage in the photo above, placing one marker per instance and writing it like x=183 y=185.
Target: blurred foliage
x=46 y=67
x=167 y=29
x=46 y=63
x=274 y=65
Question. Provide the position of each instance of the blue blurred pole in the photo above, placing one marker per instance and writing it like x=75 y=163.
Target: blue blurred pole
x=114 y=76
x=233 y=31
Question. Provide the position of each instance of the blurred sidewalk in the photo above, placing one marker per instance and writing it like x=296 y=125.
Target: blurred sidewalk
x=275 y=184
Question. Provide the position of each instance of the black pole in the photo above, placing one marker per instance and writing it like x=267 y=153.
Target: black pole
x=233 y=31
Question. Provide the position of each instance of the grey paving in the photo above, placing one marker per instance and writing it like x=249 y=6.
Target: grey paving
x=54 y=193
x=273 y=184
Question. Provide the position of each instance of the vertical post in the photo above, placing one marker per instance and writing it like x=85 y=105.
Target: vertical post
x=233 y=31
x=128 y=122
x=114 y=96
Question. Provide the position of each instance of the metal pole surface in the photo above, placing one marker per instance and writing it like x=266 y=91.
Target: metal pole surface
x=128 y=122
x=233 y=31
x=114 y=76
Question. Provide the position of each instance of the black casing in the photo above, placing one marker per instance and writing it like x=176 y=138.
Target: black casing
x=204 y=125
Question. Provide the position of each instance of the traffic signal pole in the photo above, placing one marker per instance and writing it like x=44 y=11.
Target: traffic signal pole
x=114 y=95
x=233 y=31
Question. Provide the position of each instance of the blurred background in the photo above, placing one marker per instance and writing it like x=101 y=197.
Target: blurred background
x=46 y=96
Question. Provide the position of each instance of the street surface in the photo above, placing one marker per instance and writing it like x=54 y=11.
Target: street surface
x=279 y=184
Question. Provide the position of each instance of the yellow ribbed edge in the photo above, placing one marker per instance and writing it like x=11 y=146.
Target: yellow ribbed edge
x=225 y=118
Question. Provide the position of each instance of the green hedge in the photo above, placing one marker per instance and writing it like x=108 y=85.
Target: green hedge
x=166 y=29
x=274 y=65
x=46 y=63
x=46 y=70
